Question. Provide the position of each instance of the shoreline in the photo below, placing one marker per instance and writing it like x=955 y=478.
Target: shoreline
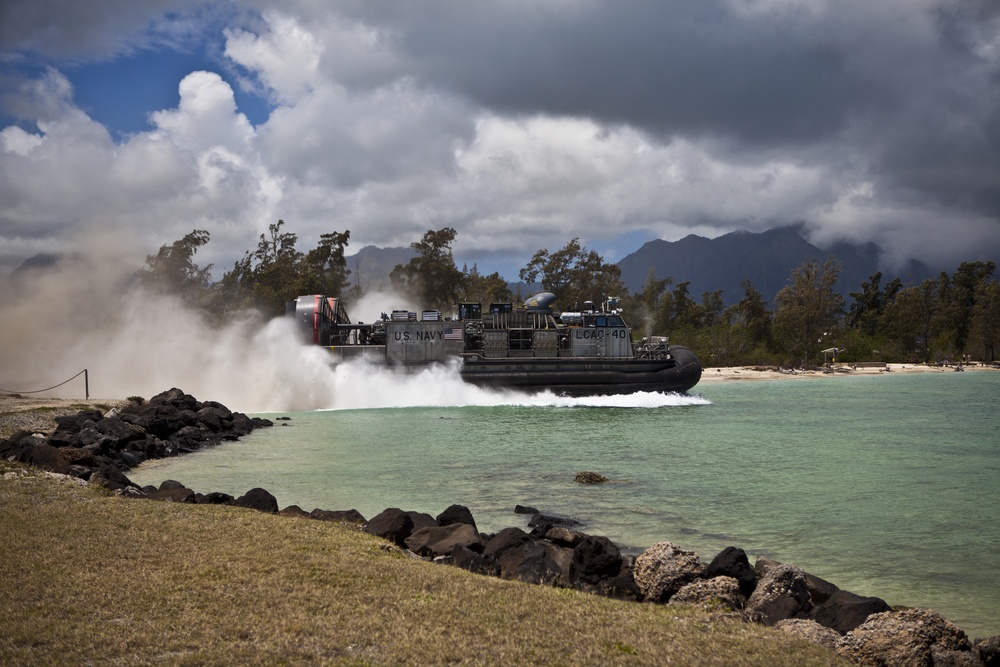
x=33 y=413
x=814 y=608
x=726 y=373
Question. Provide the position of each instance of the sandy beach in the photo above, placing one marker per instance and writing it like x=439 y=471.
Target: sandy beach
x=719 y=374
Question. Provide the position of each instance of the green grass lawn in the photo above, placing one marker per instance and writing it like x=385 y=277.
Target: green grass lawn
x=96 y=579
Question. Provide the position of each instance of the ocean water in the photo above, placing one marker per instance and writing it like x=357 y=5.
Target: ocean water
x=885 y=485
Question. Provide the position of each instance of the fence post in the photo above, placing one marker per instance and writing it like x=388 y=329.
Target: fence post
x=86 y=384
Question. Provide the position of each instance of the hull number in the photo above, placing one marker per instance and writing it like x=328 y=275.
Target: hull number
x=587 y=334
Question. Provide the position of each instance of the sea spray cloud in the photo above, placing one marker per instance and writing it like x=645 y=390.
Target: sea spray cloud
x=249 y=364
x=86 y=312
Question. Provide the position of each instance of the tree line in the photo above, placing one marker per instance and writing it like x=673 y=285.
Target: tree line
x=951 y=317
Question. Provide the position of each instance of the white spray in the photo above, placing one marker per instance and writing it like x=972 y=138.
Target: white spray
x=84 y=314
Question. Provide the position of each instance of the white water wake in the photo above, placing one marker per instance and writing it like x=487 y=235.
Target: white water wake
x=359 y=385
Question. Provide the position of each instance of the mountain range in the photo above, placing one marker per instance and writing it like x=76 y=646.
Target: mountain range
x=766 y=258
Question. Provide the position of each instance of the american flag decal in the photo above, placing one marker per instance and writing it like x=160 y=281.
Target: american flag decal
x=453 y=333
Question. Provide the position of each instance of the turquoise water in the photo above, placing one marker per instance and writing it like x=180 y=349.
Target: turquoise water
x=885 y=485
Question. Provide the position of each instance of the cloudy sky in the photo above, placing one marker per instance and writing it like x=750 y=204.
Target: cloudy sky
x=520 y=124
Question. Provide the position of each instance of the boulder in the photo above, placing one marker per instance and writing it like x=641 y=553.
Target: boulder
x=843 y=611
x=442 y=540
x=195 y=433
x=811 y=631
x=664 y=568
x=537 y=562
x=93 y=440
x=243 y=424
x=456 y=514
x=467 y=559
x=119 y=433
x=216 y=498
x=421 y=520
x=392 y=524
x=178 y=416
x=563 y=536
x=74 y=423
x=819 y=589
x=175 y=398
x=764 y=564
x=215 y=419
x=111 y=478
x=154 y=419
x=716 y=594
x=622 y=586
x=524 y=509
x=97 y=447
x=256 y=422
x=988 y=651
x=172 y=491
x=781 y=593
x=587 y=477
x=508 y=538
x=906 y=638
x=541 y=523
x=258 y=499
x=129 y=458
x=733 y=562
x=594 y=558
x=39 y=453
x=8 y=446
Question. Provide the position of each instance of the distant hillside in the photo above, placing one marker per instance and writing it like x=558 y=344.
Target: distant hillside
x=766 y=258
x=39 y=262
x=371 y=266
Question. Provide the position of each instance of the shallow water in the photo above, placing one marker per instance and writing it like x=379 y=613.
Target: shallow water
x=885 y=485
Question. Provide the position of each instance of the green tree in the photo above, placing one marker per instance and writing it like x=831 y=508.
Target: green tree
x=678 y=311
x=642 y=307
x=172 y=269
x=712 y=309
x=807 y=309
x=478 y=288
x=907 y=322
x=266 y=278
x=325 y=267
x=870 y=303
x=273 y=277
x=752 y=315
x=958 y=301
x=985 y=330
x=574 y=274
x=749 y=328
x=431 y=277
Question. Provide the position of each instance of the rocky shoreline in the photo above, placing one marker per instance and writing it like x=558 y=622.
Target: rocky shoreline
x=100 y=447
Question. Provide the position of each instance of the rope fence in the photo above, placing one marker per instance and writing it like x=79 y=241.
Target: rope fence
x=86 y=385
